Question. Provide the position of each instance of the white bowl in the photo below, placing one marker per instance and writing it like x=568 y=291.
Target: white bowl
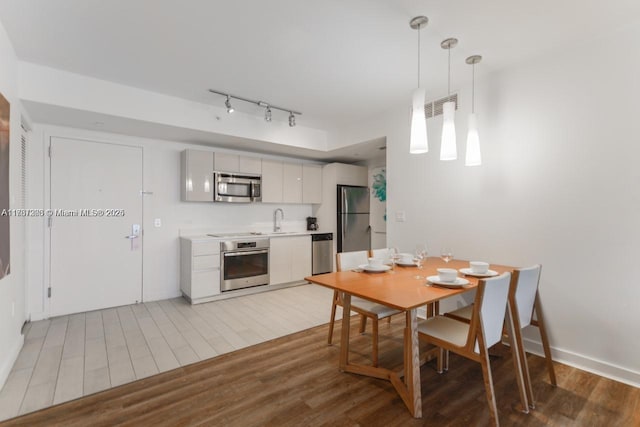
x=447 y=274
x=479 y=267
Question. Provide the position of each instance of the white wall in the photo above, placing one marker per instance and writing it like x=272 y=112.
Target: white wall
x=161 y=267
x=558 y=186
x=12 y=287
x=53 y=87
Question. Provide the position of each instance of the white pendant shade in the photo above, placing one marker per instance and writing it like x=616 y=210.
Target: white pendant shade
x=473 y=156
x=448 y=150
x=418 y=142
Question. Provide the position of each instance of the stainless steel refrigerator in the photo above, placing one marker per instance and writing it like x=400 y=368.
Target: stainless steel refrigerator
x=353 y=219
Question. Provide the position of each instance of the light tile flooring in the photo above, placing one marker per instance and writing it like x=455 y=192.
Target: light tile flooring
x=72 y=356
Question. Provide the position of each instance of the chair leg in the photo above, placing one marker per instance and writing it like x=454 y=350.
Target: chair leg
x=520 y=367
x=446 y=360
x=333 y=316
x=389 y=320
x=488 y=383
x=439 y=361
x=363 y=323
x=374 y=341
x=545 y=341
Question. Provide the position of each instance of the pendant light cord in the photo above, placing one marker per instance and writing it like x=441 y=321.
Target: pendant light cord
x=449 y=76
x=473 y=88
x=419 y=28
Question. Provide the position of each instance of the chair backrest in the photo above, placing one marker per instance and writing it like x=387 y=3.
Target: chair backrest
x=491 y=306
x=527 y=280
x=351 y=260
x=382 y=253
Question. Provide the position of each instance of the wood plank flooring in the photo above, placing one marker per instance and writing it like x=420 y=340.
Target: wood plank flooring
x=73 y=356
x=294 y=381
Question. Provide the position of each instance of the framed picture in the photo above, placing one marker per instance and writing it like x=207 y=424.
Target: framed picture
x=5 y=230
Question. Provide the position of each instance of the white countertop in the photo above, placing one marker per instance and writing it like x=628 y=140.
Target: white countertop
x=257 y=235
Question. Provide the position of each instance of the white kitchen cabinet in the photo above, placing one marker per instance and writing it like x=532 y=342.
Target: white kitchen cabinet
x=250 y=165
x=225 y=162
x=196 y=176
x=289 y=259
x=292 y=183
x=272 y=181
x=311 y=183
x=199 y=269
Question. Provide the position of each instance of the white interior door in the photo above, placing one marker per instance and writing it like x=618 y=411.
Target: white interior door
x=95 y=260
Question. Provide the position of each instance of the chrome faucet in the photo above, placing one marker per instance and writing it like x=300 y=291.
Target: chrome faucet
x=277 y=226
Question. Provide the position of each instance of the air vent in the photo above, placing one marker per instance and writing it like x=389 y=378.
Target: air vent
x=434 y=108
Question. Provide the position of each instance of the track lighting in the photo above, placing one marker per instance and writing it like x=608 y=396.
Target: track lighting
x=227 y=104
x=268 y=107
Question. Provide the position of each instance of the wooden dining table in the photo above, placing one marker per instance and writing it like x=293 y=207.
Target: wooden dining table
x=400 y=289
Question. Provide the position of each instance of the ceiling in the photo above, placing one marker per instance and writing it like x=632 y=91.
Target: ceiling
x=336 y=61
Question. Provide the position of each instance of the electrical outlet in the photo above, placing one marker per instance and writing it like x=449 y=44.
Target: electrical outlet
x=400 y=216
x=157 y=222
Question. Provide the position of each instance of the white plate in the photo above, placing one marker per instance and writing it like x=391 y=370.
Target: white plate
x=458 y=283
x=469 y=272
x=406 y=264
x=374 y=268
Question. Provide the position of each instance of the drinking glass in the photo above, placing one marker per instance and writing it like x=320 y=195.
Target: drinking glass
x=446 y=254
x=393 y=256
x=419 y=255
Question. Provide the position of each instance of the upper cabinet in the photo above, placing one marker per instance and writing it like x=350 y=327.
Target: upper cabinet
x=234 y=163
x=250 y=165
x=292 y=183
x=311 y=183
x=197 y=176
x=224 y=162
x=271 y=181
x=282 y=182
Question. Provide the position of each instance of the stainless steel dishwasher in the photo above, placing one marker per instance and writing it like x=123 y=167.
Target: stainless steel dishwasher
x=322 y=253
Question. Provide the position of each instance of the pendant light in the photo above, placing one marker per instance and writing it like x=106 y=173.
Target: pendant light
x=473 y=156
x=418 y=141
x=448 y=149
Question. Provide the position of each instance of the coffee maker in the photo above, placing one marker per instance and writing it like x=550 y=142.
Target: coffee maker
x=312 y=223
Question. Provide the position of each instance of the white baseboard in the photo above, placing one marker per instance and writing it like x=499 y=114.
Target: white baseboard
x=598 y=367
x=11 y=357
x=585 y=363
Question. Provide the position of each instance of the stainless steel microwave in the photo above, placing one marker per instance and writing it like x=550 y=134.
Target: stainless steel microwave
x=236 y=188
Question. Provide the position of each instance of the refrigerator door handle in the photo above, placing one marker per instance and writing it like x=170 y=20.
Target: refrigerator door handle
x=344 y=200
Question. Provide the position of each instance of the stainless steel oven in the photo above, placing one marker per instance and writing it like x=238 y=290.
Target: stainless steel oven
x=236 y=188
x=244 y=263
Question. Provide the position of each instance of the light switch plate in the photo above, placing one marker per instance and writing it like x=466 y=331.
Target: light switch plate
x=157 y=222
x=400 y=216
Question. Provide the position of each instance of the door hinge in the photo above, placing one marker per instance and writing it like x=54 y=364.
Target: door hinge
x=49 y=221
x=49 y=292
x=49 y=150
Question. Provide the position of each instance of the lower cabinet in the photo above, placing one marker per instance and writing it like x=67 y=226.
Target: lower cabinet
x=199 y=269
x=289 y=259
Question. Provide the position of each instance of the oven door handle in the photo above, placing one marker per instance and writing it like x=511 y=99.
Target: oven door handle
x=240 y=253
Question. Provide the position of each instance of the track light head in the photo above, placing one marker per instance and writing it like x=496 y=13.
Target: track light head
x=267 y=114
x=227 y=104
x=292 y=119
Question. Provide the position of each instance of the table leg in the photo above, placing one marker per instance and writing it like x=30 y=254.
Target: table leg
x=346 y=326
x=412 y=364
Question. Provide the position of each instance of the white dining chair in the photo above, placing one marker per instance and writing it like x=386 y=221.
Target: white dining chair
x=472 y=340
x=524 y=299
x=366 y=309
x=382 y=253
